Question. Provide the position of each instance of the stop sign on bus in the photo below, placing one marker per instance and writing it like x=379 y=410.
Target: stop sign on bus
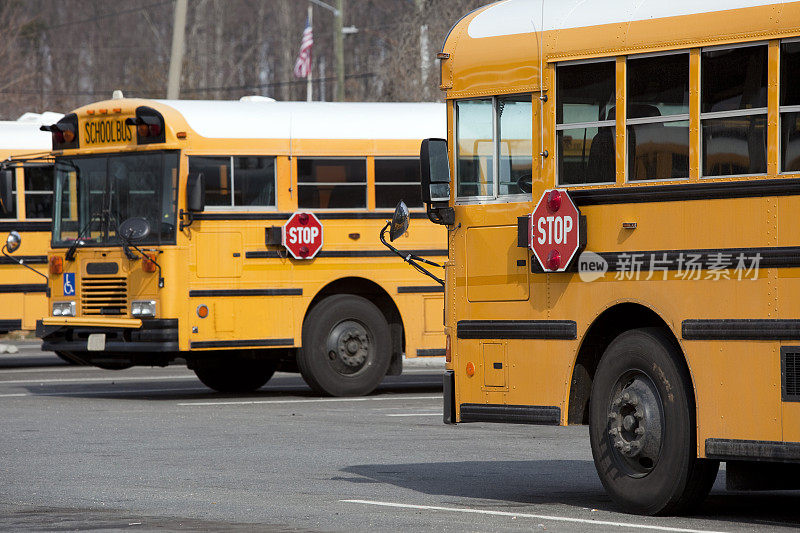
x=554 y=234
x=302 y=235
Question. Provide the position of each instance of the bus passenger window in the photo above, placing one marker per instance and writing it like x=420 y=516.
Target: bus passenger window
x=790 y=106
x=8 y=194
x=217 y=174
x=733 y=117
x=395 y=180
x=475 y=148
x=657 y=106
x=585 y=123
x=514 y=126
x=254 y=181
x=331 y=183
x=38 y=191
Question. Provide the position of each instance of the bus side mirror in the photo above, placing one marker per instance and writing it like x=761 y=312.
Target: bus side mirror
x=399 y=221
x=195 y=192
x=7 y=192
x=434 y=171
x=12 y=242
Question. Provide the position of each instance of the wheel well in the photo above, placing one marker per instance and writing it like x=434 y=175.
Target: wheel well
x=606 y=327
x=377 y=295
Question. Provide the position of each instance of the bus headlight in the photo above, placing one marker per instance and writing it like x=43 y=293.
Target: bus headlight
x=64 y=308
x=143 y=308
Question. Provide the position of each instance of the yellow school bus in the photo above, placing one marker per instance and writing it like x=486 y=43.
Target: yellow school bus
x=668 y=134
x=26 y=197
x=168 y=240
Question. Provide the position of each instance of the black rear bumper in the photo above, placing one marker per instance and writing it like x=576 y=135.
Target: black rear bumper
x=155 y=335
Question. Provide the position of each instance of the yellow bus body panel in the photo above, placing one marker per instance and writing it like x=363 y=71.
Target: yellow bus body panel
x=737 y=384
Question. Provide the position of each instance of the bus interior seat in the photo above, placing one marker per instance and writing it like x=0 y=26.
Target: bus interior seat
x=601 y=165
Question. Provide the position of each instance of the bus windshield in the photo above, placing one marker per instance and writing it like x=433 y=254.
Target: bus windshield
x=95 y=194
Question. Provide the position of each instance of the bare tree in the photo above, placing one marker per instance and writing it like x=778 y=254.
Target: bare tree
x=61 y=55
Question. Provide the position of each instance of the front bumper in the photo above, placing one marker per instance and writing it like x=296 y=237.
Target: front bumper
x=123 y=335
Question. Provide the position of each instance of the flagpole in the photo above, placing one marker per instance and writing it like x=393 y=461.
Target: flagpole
x=309 y=96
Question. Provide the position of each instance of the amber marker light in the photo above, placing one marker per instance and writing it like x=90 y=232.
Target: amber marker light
x=448 y=357
x=69 y=135
x=202 y=311
x=470 y=369
x=56 y=264
x=148 y=264
x=181 y=135
x=90 y=111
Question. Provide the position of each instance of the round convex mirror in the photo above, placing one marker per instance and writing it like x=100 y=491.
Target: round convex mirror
x=399 y=221
x=135 y=228
x=13 y=241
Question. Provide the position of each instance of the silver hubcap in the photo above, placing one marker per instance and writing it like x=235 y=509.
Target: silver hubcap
x=635 y=424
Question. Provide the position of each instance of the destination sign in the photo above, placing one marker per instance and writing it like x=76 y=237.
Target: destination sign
x=107 y=131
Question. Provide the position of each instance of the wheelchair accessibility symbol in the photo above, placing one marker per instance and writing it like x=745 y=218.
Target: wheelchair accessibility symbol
x=69 y=284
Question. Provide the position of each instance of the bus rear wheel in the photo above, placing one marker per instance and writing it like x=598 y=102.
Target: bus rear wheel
x=346 y=346
x=236 y=375
x=642 y=427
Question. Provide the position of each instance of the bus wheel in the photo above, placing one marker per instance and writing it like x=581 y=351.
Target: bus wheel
x=67 y=359
x=642 y=427
x=236 y=375
x=346 y=346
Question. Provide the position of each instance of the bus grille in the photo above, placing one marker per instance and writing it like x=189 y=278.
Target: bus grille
x=104 y=295
x=790 y=368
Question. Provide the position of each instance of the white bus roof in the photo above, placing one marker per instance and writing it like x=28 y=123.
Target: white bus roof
x=312 y=120
x=24 y=133
x=528 y=16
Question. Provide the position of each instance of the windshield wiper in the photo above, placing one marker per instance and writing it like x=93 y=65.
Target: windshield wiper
x=70 y=255
x=127 y=242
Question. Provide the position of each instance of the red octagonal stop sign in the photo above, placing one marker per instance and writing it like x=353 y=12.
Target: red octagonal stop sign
x=554 y=233
x=302 y=235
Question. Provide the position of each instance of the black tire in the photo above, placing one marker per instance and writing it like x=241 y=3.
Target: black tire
x=236 y=375
x=64 y=356
x=642 y=427
x=346 y=346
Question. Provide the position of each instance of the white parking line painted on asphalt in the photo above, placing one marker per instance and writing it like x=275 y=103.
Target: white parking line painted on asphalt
x=528 y=515
x=317 y=400
x=13 y=395
x=416 y=414
x=94 y=380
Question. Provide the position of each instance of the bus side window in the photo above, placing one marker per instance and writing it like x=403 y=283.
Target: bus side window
x=475 y=146
x=790 y=96
x=733 y=105
x=217 y=173
x=8 y=194
x=331 y=183
x=658 y=117
x=585 y=122
x=516 y=143
x=254 y=181
x=395 y=180
x=38 y=191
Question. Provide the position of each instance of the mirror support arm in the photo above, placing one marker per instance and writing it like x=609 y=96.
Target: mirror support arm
x=189 y=219
x=410 y=258
x=445 y=216
x=22 y=263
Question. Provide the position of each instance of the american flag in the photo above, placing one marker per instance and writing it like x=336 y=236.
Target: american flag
x=302 y=67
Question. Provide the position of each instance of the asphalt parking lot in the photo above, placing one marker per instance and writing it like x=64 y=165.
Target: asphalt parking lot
x=153 y=449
